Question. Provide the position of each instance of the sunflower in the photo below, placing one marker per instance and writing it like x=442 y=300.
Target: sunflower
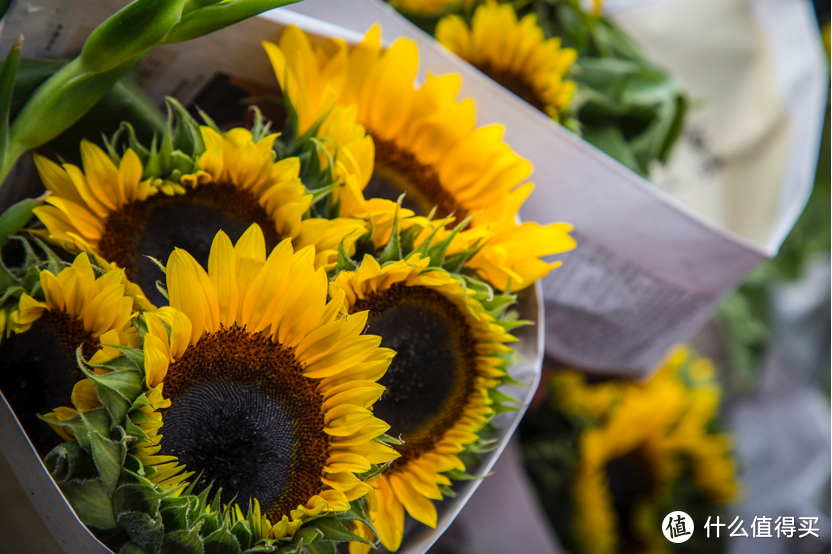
x=449 y=359
x=257 y=384
x=513 y=53
x=645 y=439
x=73 y=308
x=132 y=213
x=426 y=145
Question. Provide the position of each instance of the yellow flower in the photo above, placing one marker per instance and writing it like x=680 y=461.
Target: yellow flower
x=513 y=53
x=126 y=217
x=646 y=434
x=426 y=145
x=257 y=384
x=438 y=386
x=38 y=357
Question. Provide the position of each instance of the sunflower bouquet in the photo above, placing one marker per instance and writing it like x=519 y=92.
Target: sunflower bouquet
x=239 y=340
x=566 y=59
x=611 y=458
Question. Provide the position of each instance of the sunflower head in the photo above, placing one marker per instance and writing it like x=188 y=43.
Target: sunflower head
x=643 y=448
x=254 y=383
x=66 y=308
x=452 y=354
x=515 y=54
x=425 y=145
x=136 y=207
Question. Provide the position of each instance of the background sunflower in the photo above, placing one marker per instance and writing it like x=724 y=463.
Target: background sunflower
x=611 y=458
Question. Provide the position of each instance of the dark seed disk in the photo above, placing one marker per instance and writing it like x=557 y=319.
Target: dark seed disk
x=630 y=482
x=432 y=376
x=160 y=223
x=38 y=371
x=243 y=414
x=399 y=171
x=515 y=84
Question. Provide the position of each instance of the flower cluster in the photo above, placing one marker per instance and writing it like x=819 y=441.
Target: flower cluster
x=249 y=341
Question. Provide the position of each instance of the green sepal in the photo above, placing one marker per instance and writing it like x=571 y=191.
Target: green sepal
x=174 y=512
x=91 y=502
x=115 y=390
x=81 y=424
x=65 y=461
x=345 y=263
x=437 y=251
x=211 y=521
x=242 y=532
x=143 y=530
x=458 y=475
x=308 y=535
x=221 y=541
x=182 y=542
x=131 y=548
x=333 y=530
x=320 y=193
x=136 y=498
x=372 y=472
x=358 y=512
x=109 y=457
x=135 y=355
x=393 y=249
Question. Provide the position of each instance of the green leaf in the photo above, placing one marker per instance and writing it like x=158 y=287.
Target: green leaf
x=108 y=456
x=610 y=140
x=205 y=20
x=321 y=547
x=132 y=30
x=16 y=216
x=333 y=530
x=91 y=502
x=7 y=77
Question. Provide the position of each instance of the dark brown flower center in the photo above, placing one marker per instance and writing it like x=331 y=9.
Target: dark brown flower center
x=398 y=171
x=515 y=83
x=432 y=376
x=38 y=371
x=155 y=226
x=631 y=483
x=244 y=416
